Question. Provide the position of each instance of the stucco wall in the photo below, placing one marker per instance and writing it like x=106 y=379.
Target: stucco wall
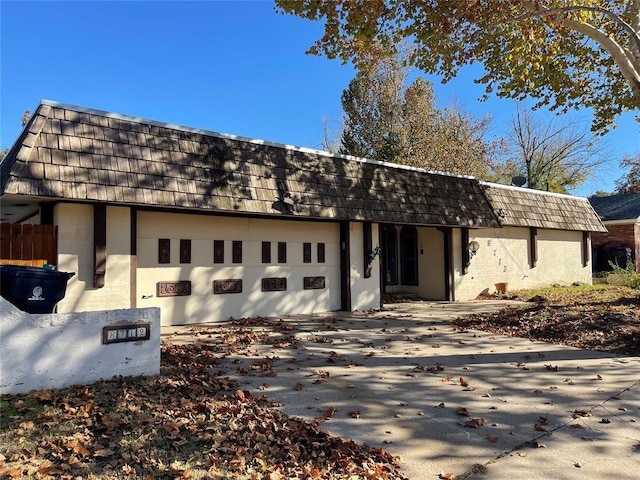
x=431 y=257
x=504 y=257
x=365 y=292
x=58 y=350
x=75 y=254
x=205 y=306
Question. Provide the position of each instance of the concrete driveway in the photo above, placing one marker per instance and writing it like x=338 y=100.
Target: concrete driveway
x=471 y=404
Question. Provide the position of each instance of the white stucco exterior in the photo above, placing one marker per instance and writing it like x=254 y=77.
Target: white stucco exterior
x=59 y=350
x=75 y=254
x=205 y=306
x=431 y=256
x=503 y=257
x=365 y=292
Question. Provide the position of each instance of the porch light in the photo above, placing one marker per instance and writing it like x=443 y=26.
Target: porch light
x=473 y=248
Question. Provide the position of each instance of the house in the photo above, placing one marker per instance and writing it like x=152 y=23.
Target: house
x=209 y=226
x=621 y=215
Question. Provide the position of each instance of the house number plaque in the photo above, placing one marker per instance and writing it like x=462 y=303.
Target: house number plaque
x=313 y=283
x=174 y=289
x=227 y=286
x=133 y=332
x=275 y=284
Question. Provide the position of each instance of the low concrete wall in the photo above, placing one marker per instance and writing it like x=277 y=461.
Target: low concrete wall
x=59 y=350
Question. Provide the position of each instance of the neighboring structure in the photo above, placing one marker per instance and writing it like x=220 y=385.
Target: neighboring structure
x=210 y=226
x=621 y=215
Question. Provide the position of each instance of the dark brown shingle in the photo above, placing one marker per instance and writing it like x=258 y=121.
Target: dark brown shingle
x=81 y=154
x=521 y=207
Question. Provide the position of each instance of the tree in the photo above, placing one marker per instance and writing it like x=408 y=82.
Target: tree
x=386 y=120
x=630 y=183
x=584 y=53
x=550 y=157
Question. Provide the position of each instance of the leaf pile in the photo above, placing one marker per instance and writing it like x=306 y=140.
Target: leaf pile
x=601 y=318
x=189 y=422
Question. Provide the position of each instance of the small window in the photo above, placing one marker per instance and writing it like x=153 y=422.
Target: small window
x=218 y=251
x=533 y=247
x=266 y=252
x=306 y=253
x=409 y=256
x=282 y=252
x=390 y=258
x=236 y=251
x=164 y=250
x=185 y=251
x=320 y=253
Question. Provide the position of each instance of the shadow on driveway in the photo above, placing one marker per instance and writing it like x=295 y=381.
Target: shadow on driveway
x=470 y=403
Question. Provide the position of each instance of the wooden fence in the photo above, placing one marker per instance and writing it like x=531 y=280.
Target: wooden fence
x=30 y=245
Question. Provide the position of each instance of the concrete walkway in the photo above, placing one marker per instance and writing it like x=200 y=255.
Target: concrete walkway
x=471 y=404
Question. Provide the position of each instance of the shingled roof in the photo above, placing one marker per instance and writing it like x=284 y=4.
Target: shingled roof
x=523 y=207
x=617 y=207
x=79 y=154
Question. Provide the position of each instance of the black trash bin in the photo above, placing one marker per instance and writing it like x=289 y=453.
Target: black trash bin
x=32 y=289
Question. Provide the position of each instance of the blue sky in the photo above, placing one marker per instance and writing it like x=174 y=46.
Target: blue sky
x=229 y=66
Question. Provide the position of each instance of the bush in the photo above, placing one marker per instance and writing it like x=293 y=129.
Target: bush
x=628 y=276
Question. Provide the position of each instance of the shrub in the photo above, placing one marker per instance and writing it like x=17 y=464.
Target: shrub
x=628 y=276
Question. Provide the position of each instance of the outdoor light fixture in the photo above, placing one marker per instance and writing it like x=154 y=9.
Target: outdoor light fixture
x=473 y=248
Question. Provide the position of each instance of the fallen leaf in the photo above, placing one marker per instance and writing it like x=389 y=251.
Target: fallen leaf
x=536 y=444
x=103 y=452
x=492 y=438
x=474 y=423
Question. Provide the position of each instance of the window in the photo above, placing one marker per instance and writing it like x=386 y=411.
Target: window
x=390 y=243
x=367 y=247
x=218 y=251
x=533 y=247
x=266 y=252
x=164 y=250
x=320 y=253
x=236 y=251
x=306 y=253
x=185 y=251
x=282 y=252
x=464 y=244
x=409 y=255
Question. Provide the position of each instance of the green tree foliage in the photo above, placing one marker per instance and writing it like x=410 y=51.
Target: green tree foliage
x=583 y=53
x=552 y=157
x=386 y=120
x=630 y=183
